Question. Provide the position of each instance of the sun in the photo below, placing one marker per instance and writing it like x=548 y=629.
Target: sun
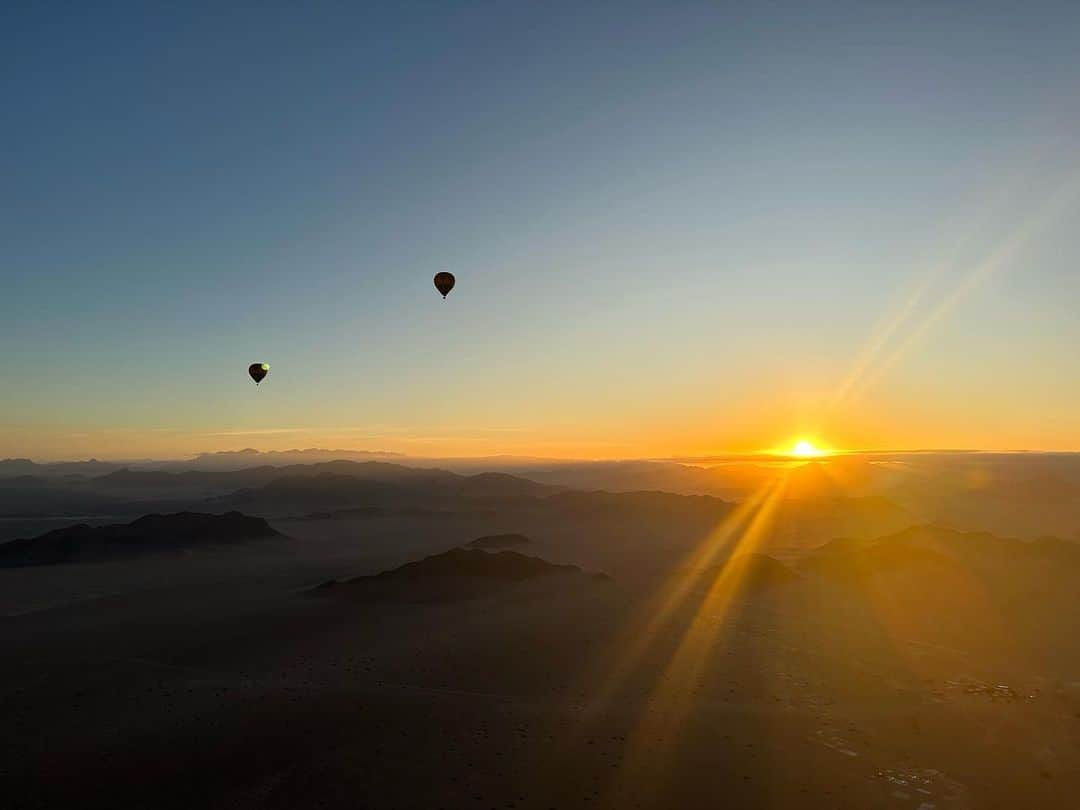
x=806 y=449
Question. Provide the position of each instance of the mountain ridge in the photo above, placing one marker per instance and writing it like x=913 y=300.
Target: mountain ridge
x=154 y=533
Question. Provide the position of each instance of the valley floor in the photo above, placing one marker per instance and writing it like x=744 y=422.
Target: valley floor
x=245 y=690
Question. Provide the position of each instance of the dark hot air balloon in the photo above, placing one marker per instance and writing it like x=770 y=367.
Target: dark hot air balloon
x=258 y=371
x=444 y=282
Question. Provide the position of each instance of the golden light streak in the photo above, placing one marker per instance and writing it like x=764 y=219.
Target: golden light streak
x=881 y=335
x=998 y=261
x=645 y=629
x=673 y=695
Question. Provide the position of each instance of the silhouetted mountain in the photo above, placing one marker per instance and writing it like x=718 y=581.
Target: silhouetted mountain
x=149 y=534
x=24 y=466
x=631 y=504
x=240 y=459
x=91 y=467
x=141 y=479
x=1019 y=493
x=1056 y=549
x=753 y=571
x=17 y=466
x=376 y=484
x=454 y=574
x=361 y=512
x=193 y=483
x=858 y=495
x=732 y=480
x=460 y=562
x=641 y=476
x=498 y=541
x=965 y=590
x=380 y=471
x=806 y=522
x=24 y=482
x=932 y=553
x=33 y=495
x=325 y=491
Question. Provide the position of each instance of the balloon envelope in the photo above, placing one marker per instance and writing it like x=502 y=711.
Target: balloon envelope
x=444 y=282
x=258 y=371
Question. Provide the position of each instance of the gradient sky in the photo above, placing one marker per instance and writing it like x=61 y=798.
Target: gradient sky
x=678 y=228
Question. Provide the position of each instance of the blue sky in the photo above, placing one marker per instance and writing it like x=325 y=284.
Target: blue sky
x=676 y=227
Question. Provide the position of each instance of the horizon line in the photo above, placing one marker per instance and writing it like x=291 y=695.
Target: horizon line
x=769 y=456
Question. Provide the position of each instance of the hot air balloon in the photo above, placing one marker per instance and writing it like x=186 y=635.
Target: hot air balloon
x=444 y=282
x=258 y=371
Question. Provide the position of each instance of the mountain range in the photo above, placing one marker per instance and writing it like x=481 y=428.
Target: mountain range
x=150 y=534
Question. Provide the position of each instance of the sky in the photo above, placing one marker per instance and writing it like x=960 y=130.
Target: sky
x=677 y=228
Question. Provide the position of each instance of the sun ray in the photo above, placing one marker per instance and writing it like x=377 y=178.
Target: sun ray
x=657 y=731
x=659 y=611
x=880 y=337
x=1065 y=195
